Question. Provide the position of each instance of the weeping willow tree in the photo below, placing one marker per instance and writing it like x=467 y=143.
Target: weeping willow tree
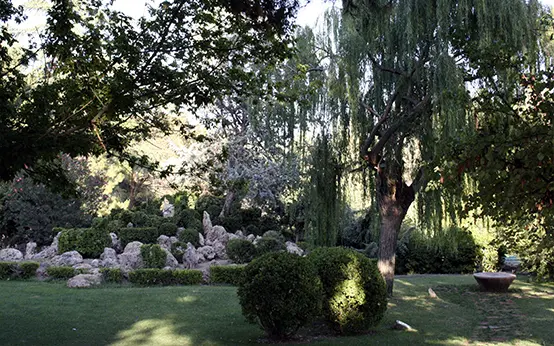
x=406 y=71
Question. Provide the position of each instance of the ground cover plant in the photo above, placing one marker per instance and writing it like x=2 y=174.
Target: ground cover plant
x=48 y=313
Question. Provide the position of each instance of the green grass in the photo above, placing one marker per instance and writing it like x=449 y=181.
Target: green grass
x=48 y=313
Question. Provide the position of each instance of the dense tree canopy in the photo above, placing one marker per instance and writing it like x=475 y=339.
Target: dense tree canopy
x=96 y=80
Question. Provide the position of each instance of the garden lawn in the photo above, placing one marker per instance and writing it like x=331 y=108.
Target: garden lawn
x=48 y=313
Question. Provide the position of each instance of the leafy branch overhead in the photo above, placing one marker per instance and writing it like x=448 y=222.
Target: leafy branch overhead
x=96 y=80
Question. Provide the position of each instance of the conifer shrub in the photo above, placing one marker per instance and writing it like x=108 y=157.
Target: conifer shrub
x=168 y=229
x=153 y=256
x=7 y=270
x=27 y=270
x=241 y=250
x=60 y=273
x=146 y=235
x=281 y=292
x=355 y=297
x=189 y=235
x=231 y=275
x=112 y=275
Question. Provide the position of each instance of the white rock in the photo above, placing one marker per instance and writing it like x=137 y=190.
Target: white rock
x=47 y=253
x=294 y=249
x=69 y=258
x=116 y=243
x=206 y=222
x=108 y=258
x=173 y=240
x=233 y=236
x=10 y=255
x=201 y=239
x=251 y=238
x=219 y=249
x=217 y=234
x=131 y=257
x=56 y=240
x=83 y=267
x=30 y=250
x=133 y=246
x=207 y=251
x=239 y=234
x=164 y=242
x=256 y=240
x=84 y=280
x=170 y=260
x=190 y=258
x=95 y=263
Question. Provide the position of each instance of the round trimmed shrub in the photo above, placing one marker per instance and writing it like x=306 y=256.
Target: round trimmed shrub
x=240 y=250
x=355 y=296
x=153 y=256
x=93 y=241
x=189 y=235
x=167 y=228
x=267 y=245
x=281 y=292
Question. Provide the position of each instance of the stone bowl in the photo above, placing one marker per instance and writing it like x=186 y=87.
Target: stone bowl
x=494 y=282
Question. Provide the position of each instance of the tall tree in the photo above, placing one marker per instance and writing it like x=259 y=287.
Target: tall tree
x=408 y=68
x=101 y=69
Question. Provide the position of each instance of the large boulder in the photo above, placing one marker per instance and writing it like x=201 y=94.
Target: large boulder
x=251 y=238
x=47 y=253
x=293 y=248
x=218 y=234
x=170 y=260
x=30 y=250
x=84 y=268
x=201 y=239
x=206 y=223
x=10 y=255
x=116 y=242
x=190 y=258
x=165 y=242
x=131 y=258
x=207 y=252
x=219 y=249
x=69 y=258
x=108 y=258
x=84 y=281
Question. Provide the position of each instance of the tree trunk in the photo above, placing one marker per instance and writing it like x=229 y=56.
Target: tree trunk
x=229 y=199
x=394 y=198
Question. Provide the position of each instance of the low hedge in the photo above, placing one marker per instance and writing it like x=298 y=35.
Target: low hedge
x=149 y=277
x=146 y=235
x=231 y=275
x=89 y=242
x=61 y=273
x=18 y=270
x=114 y=275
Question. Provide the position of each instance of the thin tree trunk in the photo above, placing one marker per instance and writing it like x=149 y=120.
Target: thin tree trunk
x=229 y=199
x=394 y=198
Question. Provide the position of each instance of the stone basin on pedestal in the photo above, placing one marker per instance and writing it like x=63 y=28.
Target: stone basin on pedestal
x=494 y=282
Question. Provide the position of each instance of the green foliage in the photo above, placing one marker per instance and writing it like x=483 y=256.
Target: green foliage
x=7 y=270
x=493 y=257
x=89 y=242
x=60 y=273
x=252 y=229
x=178 y=250
x=146 y=235
x=189 y=235
x=355 y=296
x=114 y=275
x=281 y=292
x=453 y=252
x=267 y=245
x=168 y=229
x=153 y=256
x=148 y=277
x=28 y=270
x=210 y=204
x=188 y=218
x=231 y=275
x=241 y=250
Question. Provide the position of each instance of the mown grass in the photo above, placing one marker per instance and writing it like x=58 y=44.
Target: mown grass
x=48 y=313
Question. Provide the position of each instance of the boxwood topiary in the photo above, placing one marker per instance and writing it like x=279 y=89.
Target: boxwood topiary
x=167 y=228
x=68 y=240
x=114 y=275
x=60 y=273
x=146 y=235
x=189 y=235
x=355 y=296
x=92 y=241
x=28 y=270
x=281 y=292
x=240 y=250
x=153 y=256
x=231 y=275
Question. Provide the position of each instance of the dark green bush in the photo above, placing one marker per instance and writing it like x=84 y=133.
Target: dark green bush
x=281 y=292
x=148 y=277
x=153 y=256
x=114 y=275
x=28 y=270
x=417 y=253
x=146 y=235
x=60 y=273
x=69 y=239
x=89 y=242
x=252 y=229
x=188 y=218
x=187 y=277
x=267 y=245
x=168 y=229
x=7 y=270
x=210 y=204
x=241 y=250
x=231 y=275
x=189 y=235
x=232 y=223
x=355 y=296
x=92 y=242
x=178 y=250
